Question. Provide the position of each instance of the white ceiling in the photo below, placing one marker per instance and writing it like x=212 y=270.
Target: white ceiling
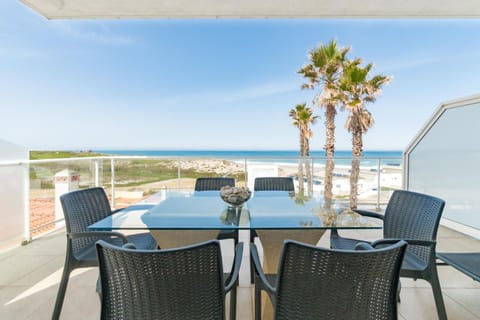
x=87 y=9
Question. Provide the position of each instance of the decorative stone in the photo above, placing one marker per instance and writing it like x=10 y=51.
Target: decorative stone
x=235 y=196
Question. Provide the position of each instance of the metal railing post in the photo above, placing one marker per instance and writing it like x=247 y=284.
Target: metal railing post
x=378 y=184
x=312 y=174
x=112 y=180
x=245 y=170
x=178 y=174
x=97 y=172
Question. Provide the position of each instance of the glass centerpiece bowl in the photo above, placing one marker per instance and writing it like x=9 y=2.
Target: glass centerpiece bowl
x=235 y=196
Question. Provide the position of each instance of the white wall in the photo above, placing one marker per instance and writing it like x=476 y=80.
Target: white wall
x=13 y=194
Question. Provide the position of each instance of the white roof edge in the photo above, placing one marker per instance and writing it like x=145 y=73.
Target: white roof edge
x=134 y=9
x=254 y=16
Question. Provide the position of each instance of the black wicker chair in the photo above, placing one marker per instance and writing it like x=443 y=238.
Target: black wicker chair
x=316 y=282
x=413 y=217
x=213 y=184
x=183 y=283
x=82 y=208
x=274 y=184
x=269 y=184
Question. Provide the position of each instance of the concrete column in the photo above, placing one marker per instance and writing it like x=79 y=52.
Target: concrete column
x=65 y=181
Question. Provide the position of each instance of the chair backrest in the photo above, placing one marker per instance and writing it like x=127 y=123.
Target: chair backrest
x=212 y=184
x=411 y=215
x=337 y=284
x=82 y=208
x=274 y=184
x=183 y=283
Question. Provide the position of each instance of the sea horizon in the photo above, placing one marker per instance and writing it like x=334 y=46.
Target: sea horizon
x=244 y=152
x=369 y=158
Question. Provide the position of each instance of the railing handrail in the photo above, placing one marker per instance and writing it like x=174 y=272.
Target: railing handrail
x=25 y=162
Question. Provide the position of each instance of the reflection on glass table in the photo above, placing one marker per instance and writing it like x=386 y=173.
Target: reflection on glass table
x=275 y=212
x=188 y=210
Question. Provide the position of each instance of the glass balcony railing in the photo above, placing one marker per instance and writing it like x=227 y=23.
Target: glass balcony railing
x=442 y=160
x=131 y=179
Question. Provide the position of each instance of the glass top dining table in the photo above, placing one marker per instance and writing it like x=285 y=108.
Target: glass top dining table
x=274 y=215
x=205 y=210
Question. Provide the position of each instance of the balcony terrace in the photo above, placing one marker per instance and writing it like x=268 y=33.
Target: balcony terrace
x=31 y=273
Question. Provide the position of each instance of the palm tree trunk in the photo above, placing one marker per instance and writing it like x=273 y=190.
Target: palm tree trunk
x=300 y=175
x=354 y=174
x=357 y=146
x=300 y=162
x=308 y=168
x=330 y=113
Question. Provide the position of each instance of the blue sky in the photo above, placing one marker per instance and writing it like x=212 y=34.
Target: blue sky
x=214 y=84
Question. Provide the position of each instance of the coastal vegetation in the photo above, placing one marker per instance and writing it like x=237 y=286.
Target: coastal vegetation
x=40 y=155
x=128 y=172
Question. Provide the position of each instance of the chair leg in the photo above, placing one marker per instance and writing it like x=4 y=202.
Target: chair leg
x=98 y=288
x=252 y=267
x=62 y=289
x=258 y=303
x=235 y=239
x=252 y=271
x=437 y=294
x=399 y=288
x=233 y=303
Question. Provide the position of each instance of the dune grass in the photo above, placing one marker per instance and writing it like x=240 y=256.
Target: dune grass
x=40 y=155
x=128 y=172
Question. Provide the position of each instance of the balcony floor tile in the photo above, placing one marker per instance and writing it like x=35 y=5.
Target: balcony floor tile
x=30 y=276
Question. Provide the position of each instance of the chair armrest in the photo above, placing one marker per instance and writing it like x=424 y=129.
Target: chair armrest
x=237 y=261
x=370 y=214
x=130 y=246
x=412 y=242
x=98 y=234
x=363 y=246
x=259 y=271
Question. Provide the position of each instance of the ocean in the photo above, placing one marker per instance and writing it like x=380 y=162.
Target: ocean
x=370 y=158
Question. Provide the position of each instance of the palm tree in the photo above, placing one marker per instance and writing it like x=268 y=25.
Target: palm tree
x=302 y=118
x=358 y=89
x=325 y=67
